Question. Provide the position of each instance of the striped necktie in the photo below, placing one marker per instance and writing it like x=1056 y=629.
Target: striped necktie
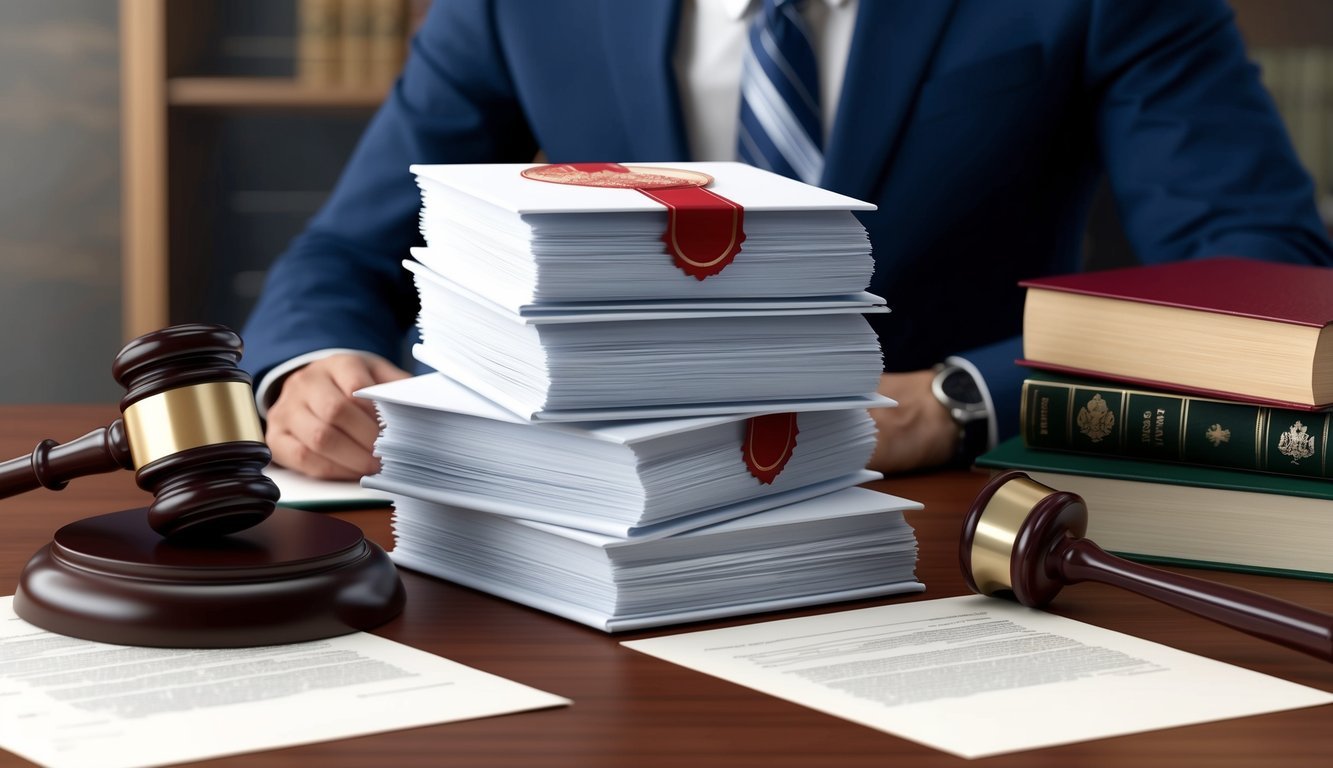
x=780 y=125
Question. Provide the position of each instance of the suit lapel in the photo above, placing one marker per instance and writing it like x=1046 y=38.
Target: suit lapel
x=640 y=40
x=892 y=44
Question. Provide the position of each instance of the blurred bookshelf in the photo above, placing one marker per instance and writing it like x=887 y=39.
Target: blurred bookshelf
x=267 y=92
x=237 y=116
x=1292 y=43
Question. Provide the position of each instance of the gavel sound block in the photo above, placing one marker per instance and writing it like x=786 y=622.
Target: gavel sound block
x=212 y=562
x=1024 y=539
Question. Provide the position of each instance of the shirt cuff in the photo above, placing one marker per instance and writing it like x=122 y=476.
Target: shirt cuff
x=267 y=389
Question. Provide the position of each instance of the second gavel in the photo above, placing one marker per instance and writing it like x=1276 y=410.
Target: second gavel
x=1024 y=539
x=188 y=427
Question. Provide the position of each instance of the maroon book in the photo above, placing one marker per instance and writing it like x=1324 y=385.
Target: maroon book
x=1119 y=342
x=1301 y=294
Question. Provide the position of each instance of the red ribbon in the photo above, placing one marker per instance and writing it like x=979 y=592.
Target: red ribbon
x=704 y=229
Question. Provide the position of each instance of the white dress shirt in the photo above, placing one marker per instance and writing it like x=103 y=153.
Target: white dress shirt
x=710 y=43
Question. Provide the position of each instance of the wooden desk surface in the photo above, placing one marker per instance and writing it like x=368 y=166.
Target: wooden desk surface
x=634 y=710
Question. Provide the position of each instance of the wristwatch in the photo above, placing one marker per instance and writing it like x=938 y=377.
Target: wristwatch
x=959 y=392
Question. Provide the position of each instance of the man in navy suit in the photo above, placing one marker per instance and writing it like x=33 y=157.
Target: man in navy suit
x=978 y=128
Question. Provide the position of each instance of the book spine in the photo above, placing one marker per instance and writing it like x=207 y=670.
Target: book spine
x=388 y=39
x=1096 y=418
x=318 y=40
x=357 y=26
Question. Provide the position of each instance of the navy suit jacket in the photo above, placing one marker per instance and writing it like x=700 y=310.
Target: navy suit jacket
x=979 y=129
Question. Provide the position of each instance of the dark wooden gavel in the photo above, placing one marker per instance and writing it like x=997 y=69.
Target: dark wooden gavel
x=188 y=427
x=1024 y=539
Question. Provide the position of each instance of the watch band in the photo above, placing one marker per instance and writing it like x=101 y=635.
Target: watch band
x=960 y=393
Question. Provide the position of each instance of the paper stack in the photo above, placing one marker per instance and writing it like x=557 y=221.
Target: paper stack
x=556 y=317
x=626 y=442
x=445 y=443
x=519 y=244
x=848 y=545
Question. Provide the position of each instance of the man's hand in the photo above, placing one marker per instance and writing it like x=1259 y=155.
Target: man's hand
x=919 y=432
x=318 y=428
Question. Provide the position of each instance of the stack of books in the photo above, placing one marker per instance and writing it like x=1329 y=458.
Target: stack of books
x=1189 y=404
x=621 y=438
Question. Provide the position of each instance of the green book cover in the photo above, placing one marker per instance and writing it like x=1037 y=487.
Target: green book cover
x=1012 y=454
x=1102 y=418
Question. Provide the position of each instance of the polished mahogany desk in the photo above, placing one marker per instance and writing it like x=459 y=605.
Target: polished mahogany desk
x=635 y=711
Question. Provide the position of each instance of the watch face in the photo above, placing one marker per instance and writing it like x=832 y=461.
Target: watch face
x=961 y=387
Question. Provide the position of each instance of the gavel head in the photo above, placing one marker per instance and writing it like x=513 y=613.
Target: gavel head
x=193 y=431
x=1011 y=534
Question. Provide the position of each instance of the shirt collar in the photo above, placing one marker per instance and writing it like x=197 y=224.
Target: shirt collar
x=736 y=9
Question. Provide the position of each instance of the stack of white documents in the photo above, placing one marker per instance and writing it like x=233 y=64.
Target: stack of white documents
x=585 y=364
x=847 y=545
x=443 y=443
x=627 y=445
x=560 y=313
x=520 y=242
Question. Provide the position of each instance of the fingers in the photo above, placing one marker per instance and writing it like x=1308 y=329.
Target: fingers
x=347 y=374
x=291 y=453
x=352 y=372
x=318 y=428
x=382 y=370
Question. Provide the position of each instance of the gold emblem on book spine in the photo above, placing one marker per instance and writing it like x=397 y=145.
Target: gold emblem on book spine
x=1096 y=420
x=1296 y=443
x=1216 y=435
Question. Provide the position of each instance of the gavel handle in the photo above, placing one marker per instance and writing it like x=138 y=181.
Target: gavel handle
x=1260 y=615
x=53 y=465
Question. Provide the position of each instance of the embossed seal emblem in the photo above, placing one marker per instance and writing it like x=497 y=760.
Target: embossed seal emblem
x=1296 y=443
x=769 y=442
x=1096 y=419
x=618 y=176
x=1217 y=435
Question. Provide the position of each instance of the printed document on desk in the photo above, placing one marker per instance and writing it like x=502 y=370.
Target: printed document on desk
x=305 y=492
x=90 y=705
x=965 y=674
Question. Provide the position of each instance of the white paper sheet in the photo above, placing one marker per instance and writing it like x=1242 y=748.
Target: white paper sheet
x=441 y=393
x=68 y=703
x=651 y=412
x=517 y=298
x=863 y=303
x=305 y=492
x=848 y=545
x=549 y=245
x=613 y=528
x=756 y=190
x=965 y=674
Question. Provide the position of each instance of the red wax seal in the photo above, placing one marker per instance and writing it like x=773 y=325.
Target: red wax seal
x=769 y=442
x=704 y=229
